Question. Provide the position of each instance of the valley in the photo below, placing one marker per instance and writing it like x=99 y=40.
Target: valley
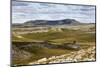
x=31 y=44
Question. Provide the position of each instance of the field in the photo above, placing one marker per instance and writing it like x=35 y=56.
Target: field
x=36 y=45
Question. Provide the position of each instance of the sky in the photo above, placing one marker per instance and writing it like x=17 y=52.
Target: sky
x=25 y=11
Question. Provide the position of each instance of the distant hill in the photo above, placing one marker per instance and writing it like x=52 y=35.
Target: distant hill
x=52 y=22
x=49 y=22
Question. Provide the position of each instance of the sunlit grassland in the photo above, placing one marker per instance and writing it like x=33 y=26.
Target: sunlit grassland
x=60 y=37
x=84 y=38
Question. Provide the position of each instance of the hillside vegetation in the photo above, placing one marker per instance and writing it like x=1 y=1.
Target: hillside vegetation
x=32 y=46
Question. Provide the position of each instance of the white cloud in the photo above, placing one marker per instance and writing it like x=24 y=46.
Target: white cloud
x=24 y=11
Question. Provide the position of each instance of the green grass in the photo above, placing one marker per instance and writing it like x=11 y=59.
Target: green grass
x=55 y=37
x=38 y=53
x=65 y=36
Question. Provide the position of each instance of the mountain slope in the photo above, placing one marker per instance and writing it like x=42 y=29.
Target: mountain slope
x=52 y=22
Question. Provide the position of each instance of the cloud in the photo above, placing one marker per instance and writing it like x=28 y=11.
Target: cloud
x=24 y=11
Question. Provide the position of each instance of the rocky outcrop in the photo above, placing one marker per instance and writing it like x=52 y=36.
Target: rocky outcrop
x=19 y=55
x=81 y=55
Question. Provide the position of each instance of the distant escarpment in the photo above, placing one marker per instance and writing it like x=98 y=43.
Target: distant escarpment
x=47 y=22
x=52 y=22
